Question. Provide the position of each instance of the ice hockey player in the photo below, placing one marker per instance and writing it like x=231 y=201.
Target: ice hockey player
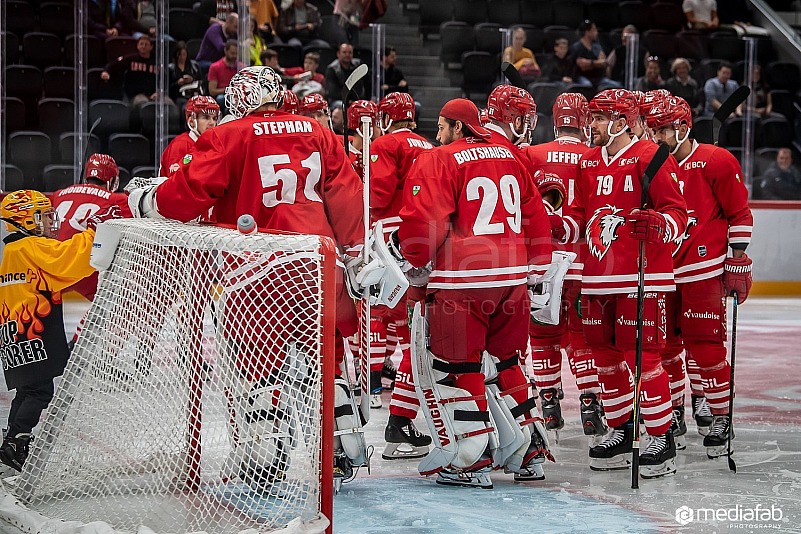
x=35 y=269
x=316 y=107
x=511 y=114
x=470 y=207
x=717 y=200
x=202 y=113
x=559 y=159
x=289 y=175
x=357 y=110
x=607 y=210
x=291 y=104
x=391 y=157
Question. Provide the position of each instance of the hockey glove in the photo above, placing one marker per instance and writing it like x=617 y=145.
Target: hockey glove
x=648 y=225
x=417 y=276
x=113 y=212
x=551 y=188
x=737 y=277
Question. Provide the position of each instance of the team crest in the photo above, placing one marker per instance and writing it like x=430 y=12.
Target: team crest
x=602 y=230
x=691 y=221
x=373 y=157
x=415 y=189
x=187 y=159
x=702 y=251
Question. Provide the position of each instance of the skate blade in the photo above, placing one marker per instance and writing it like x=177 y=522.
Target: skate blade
x=703 y=430
x=681 y=442
x=621 y=461
x=403 y=451
x=533 y=472
x=481 y=482
x=664 y=469
x=717 y=451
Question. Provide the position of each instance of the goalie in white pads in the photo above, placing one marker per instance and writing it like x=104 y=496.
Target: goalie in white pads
x=477 y=306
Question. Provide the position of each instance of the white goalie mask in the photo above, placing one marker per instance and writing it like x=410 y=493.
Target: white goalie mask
x=251 y=88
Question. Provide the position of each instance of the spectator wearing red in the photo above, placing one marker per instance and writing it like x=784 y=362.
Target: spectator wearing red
x=221 y=72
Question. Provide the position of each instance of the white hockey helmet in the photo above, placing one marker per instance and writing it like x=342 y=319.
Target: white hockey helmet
x=251 y=88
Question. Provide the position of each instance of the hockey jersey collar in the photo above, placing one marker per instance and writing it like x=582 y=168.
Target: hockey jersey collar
x=15 y=236
x=692 y=151
x=495 y=128
x=571 y=139
x=605 y=154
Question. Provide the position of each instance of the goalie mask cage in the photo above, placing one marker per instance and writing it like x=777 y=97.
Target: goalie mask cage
x=195 y=396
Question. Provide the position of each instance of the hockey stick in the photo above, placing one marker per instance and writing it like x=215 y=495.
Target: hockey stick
x=512 y=75
x=357 y=74
x=88 y=146
x=364 y=326
x=727 y=108
x=661 y=155
x=732 y=465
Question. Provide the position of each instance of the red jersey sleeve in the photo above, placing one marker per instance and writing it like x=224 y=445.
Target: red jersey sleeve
x=384 y=168
x=343 y=193
x=536 y=225
x=664 y=193
x=732 y=195
x=574 y=215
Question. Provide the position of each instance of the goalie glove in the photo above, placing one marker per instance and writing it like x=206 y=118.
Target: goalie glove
x=142 y=197
x=545 y=292
x=417 y=276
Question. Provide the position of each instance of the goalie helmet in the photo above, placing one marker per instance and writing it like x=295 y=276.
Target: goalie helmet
x=201 y=104
x=359 y=109
x=103 y=167
x=507 y=102
x=31 y=211
x=670 y=111
x=291 y=104
x=313 y=103
x=616 y=103
x=251 y=88
x=571 y=110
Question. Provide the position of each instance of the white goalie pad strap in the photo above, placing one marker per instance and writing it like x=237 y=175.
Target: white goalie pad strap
x=348 y=433
x=511 y=437
x=459 y=434
x=546 y=293
x=107 y=237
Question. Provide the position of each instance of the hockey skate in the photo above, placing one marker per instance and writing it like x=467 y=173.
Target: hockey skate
x=702 y=414
x=659 y=457
x=551 y=409
x=592 y=418
x=389 y=372
x=679 y=428
x=537 y=452
x=375 y=390
x=14 y=451
x=717 y=440
x=480 y=478
x=403 y=439
x=611 y=453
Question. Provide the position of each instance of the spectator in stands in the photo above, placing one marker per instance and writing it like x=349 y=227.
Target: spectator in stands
x=337 y=121
x=683 y=85
x=257 y=44
x=782 y=180
x=102 y=19
x=215 y=11
x=306 y=78
x=521 y=57
x=266 y=15
x=394 y=81
x=128 y=22
x=145 y=22
x=221 y=72
x=719 y=88
x=616 y=62
x=653 y=76
x=763 y=101
x=212 y=47
x=590 y=59
x=183 y=76
x=560 y=68
x=350 y=16
x=298 y=23
x=137 y=72
x=701 y=14
x=338 y=71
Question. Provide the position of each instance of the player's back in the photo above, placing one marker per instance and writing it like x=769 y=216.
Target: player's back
x=175 y=152
x=76 y=203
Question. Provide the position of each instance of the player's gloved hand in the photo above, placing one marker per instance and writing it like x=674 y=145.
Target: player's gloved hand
x=417 y=276
x=737 y=277
x=648 y=225
x=113 y=212
x=359 y=276
x=551 y=188
x=393 y=244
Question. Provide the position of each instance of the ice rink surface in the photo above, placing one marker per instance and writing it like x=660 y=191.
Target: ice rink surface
x=704 y=496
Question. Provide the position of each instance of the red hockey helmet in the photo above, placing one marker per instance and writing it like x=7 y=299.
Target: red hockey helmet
x=483 y=116
x=291 y=104
x=397 y=106
x=651 y=99
x=103 y=167
x=359 y=109
x=571 y=110
x=670 y=111
x=313 y=103
x=507 y=102
x=201 y=104
x=616 y=103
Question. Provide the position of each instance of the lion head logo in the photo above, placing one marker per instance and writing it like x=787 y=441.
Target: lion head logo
x=691 y=221
x=602 y=229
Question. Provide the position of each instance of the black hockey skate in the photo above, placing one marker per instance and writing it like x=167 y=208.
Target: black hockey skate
x=702 y=414
x=403 y=439
x=551 y=409
x=658 y=458
x=389 y=372
x=611 y=453
x=717 y=441
x=679 y=428
x=14 y=451
x=375 y=390
x=592 y=413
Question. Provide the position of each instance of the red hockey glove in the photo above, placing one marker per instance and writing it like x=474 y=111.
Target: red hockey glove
x=558 y=231
x=647 y=225
x=551 y=188
x=737 y=277
x=113 y=212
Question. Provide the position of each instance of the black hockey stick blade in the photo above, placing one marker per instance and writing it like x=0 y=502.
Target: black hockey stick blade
x=659 y=159
x=512 y=75
x=727 y=108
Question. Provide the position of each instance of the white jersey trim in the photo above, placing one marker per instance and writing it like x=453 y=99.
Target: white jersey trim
x=590 y=279
x=622 y=290
x=697 y=277
x=700 y=265
x=517 y=269
x=476 y=285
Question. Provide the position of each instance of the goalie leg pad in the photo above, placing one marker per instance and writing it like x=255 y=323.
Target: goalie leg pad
x=546 y=294
x=348 y=433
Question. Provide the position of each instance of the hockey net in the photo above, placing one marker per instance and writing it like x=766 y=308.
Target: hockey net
x=193 y=400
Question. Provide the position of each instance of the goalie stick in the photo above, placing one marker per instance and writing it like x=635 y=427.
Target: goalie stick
x=364 y=323
x=512 y=75
x=661 y=155
x=727 y=108
x=354 y=78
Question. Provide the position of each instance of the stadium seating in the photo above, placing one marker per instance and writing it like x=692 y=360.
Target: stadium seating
x=470 y=11
x=55 y=177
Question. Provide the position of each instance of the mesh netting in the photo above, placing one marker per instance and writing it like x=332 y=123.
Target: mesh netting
x=192 y=399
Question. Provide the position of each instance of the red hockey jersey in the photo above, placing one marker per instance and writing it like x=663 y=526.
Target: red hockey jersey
x=607 y=189
x=719 y=216
x=76 y=203
x=471 y=207
x=282 y=169
x=562 y=158
x=174 y=154
x=391 y=157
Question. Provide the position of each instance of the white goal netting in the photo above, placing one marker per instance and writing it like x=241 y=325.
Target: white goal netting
x=193 y=398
